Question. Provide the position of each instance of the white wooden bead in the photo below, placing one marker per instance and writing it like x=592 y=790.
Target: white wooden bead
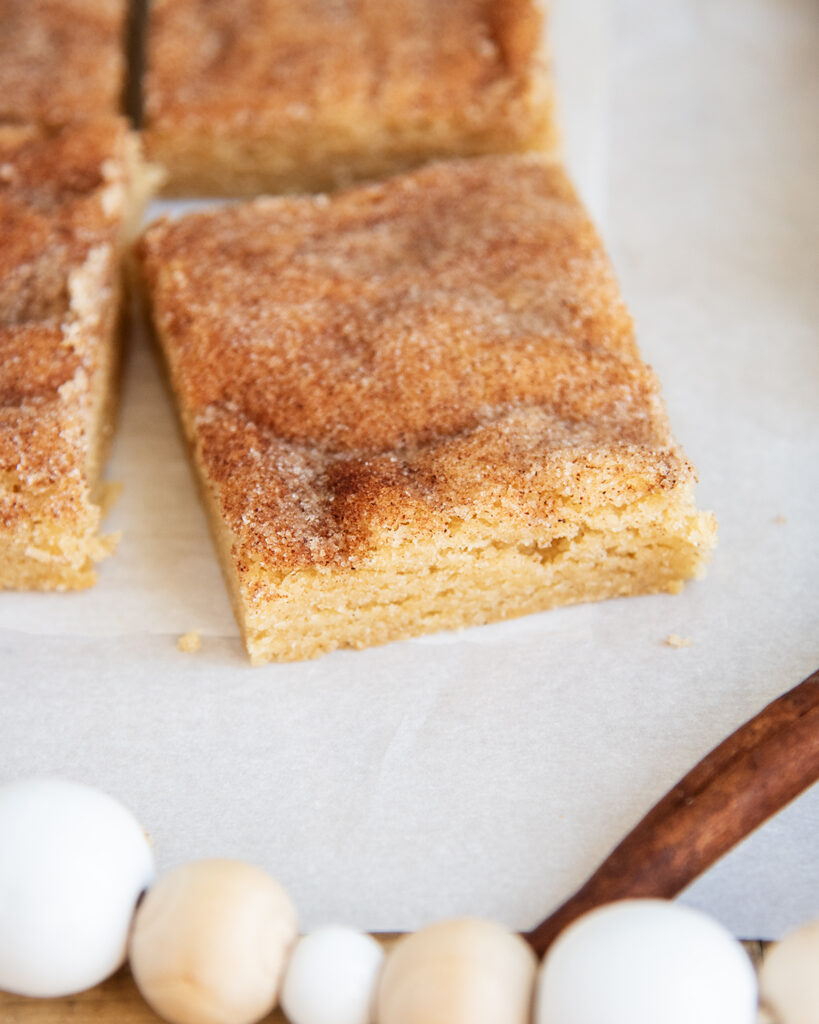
x=210 y=943
x=73 y=862
x=331 y=977
x=789 y=977
x=457 y=972
x=645 y=962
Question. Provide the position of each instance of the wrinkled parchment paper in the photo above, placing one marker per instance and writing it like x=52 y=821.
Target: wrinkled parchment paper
x=489 y=771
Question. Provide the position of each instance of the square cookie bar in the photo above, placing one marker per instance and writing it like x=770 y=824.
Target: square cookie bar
x=251 y=96
x=61 y=59
x=65 y=197
x=416 y=406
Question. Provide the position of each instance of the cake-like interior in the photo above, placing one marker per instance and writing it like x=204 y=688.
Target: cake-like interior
x=67 y=197
x=61 y=59
x=418 y=405
x=248 y=96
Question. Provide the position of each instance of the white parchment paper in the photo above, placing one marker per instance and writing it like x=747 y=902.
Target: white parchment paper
x=489 y=771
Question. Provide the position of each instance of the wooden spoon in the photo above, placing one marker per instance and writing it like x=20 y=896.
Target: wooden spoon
x=750 y=776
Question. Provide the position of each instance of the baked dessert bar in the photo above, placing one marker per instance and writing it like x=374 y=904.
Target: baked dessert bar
x=417 y=405
x=250 y=96
x=66 y=196
x=61 y=59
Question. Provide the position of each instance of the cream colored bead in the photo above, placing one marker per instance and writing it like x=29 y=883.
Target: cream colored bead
x=789 y=977
x=457 y=972
x=210 y=943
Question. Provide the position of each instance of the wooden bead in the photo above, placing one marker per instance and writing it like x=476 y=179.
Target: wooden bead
x=457 y=972
x=210 y=943
x=73 y=863
x=789 y=977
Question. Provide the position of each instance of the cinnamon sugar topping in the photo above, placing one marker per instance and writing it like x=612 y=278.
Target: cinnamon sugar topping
x=251 y=96
x=62 y=203
x=448 y=343
x=58 y=242
x=61 y=60
x=238 y=59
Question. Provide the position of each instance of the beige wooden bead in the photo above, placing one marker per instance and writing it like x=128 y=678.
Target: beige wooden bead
x=789 y=976
x=458 y=972
x=210 y=943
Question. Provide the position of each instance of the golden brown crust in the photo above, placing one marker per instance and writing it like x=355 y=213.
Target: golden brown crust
x=63 y=196
x=448 y=344
x=61 y=59
x=340 y=88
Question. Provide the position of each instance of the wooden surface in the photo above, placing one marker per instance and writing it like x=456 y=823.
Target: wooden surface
x=118 y=1002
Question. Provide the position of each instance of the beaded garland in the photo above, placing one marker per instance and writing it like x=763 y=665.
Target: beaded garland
x=215 y=942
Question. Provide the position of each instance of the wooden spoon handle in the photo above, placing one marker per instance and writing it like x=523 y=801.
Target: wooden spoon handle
x=742 y=782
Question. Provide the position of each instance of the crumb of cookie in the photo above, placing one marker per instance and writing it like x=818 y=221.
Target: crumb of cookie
x=780 y=520
x=189 y=642
x=673 y=640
